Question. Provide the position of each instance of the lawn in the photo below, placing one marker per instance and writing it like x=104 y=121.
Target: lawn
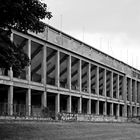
x=32 y=130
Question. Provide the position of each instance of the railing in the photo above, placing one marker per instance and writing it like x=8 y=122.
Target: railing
x=38 y=112
x=3 y=109
x=21 y=110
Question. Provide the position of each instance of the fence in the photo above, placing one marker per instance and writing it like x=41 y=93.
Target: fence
x=3 y=109
x=21 y=110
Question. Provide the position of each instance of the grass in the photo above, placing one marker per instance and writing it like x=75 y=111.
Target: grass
x=32 y=130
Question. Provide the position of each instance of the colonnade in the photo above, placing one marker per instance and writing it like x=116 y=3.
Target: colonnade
x=60 y=72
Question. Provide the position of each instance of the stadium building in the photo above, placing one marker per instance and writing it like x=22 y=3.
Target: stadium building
x=67 y=75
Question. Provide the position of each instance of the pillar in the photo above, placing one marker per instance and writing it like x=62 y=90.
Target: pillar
x=105 y=108
x=79 y=76
x=131 y=112
x=10 y=100
x=124 y=95
x=97 y=107
x=69 y=104
x=44 y=70
x=97 y=81
x=28 y=74
x=137 y=111
x=104 y=83
x=11 y=71
x=89 y=78
x=138 y=92
x=57 y=78
x=69 y=72
x=28 y=102
x=118 y=110
x=44 y=99
x=130 y=96
x=135 y=91
x=123 y=111
x=57 y=103
x=111 y=85
x=89 y=106
x=130 y=91
x=135 y=98
x=118 y=96
x=112 y=109
x=80 y=105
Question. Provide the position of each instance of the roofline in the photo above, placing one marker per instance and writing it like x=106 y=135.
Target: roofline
x=81 y=42
x=92 y=47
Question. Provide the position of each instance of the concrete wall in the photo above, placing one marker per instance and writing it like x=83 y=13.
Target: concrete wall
x=67 y=42
x=89 y=117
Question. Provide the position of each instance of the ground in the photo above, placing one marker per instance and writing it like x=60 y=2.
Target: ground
x=32 y=130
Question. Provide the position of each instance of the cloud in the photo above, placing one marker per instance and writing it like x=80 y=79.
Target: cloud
x=100 y=15
x=114 y=20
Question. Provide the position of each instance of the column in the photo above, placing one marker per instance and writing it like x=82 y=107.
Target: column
x=124 y=92
x=69 y=72
x=97 y=81
x=79 y=77
x=118 y=96
x=28 y=102
x=89 y=106
x=131 y=113
x=80 y=105
x=105 y=108
x=130 y=96
x=104 y=83
x=118 y=110
x=123 y=111
x=44 y=70
x=28 y=74
x=57 y=103
x=57 y=81
x=130 y=90
x=111 y=85
x=97 y=107
x=89 y=78
x=12 y=36
x=46 y=31
x=135 y=110
x=138 y=112
x=138 y=92
x=69 y=104
x=44 y=99
x=10 y=72
x=135 y=91
x=135 y=97
x=112 y=105
x=10 y=100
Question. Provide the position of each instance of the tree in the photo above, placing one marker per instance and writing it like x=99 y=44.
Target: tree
x=22 y=15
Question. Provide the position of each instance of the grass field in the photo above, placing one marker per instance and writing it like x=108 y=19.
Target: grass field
x=68 y=131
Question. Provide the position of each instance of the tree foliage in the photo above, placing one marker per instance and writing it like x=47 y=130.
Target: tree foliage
x=11 y=55
x=22 y=15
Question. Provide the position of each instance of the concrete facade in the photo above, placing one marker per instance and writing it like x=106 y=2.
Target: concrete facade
x=67 y=75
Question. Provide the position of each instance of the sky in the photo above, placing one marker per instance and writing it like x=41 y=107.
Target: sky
x=112 y=26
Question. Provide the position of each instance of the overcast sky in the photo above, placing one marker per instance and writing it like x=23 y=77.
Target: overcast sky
x=112 y=26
